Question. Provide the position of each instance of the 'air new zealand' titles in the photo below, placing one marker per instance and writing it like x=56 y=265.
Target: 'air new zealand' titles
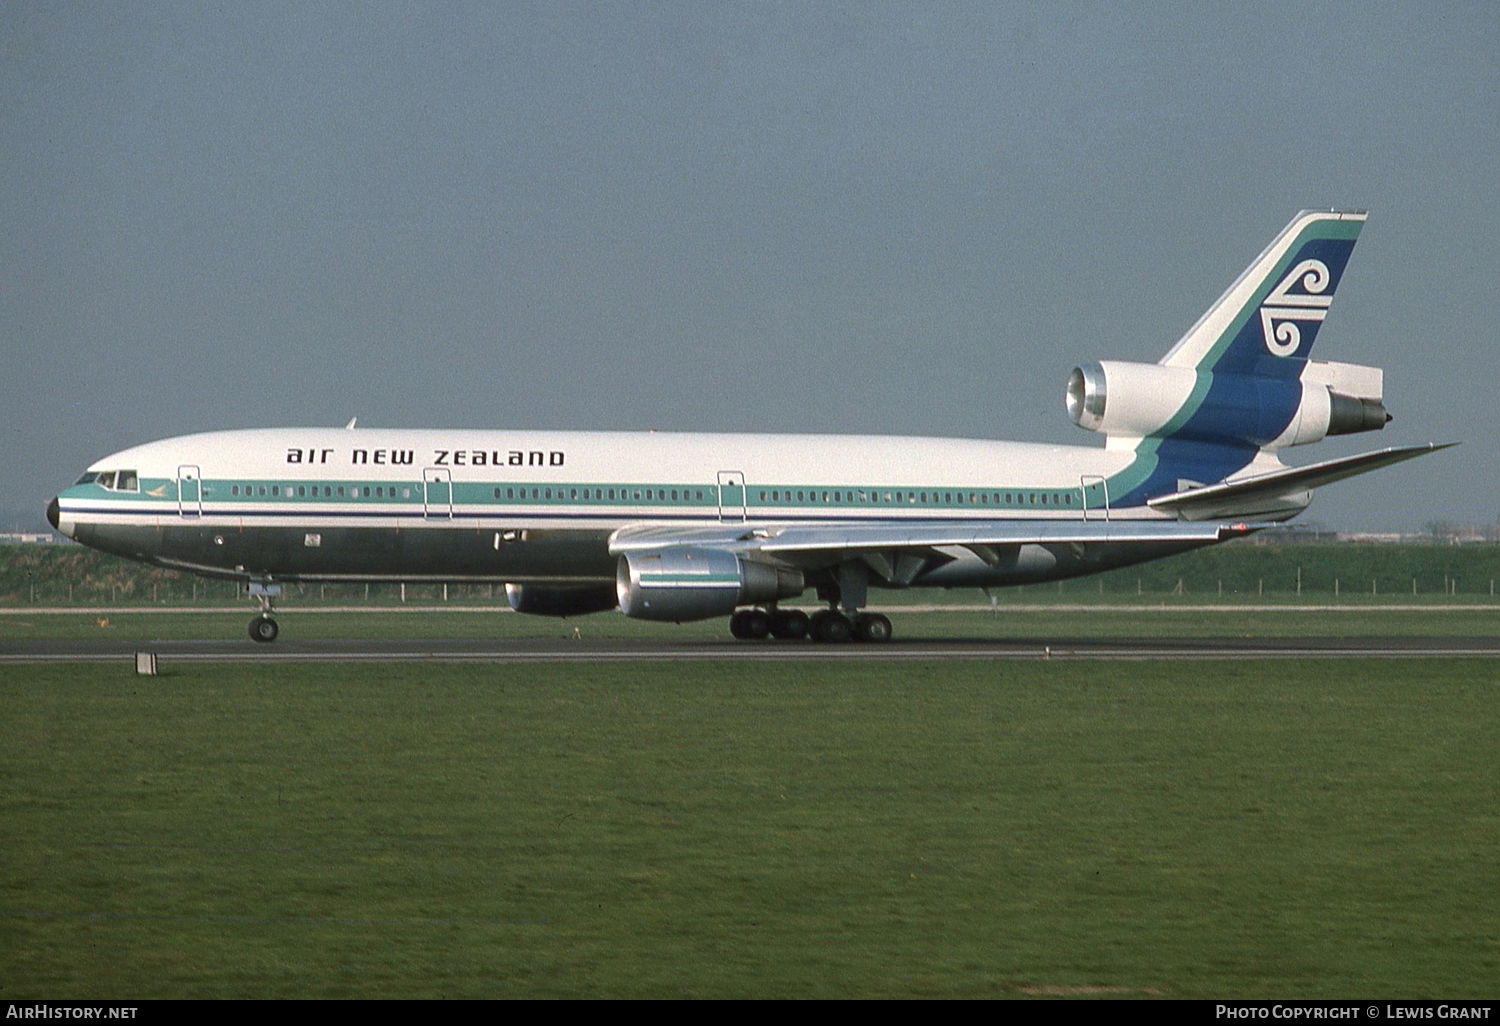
x=683 y=527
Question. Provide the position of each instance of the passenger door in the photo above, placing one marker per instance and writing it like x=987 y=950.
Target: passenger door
x=731 y=497
x=437 y=493
x=189 y=491
x=1095 y=496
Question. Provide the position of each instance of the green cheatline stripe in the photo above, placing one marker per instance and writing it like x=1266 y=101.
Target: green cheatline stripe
x=674 y=581
x=217 y=492
x=1140 y=469
x=1146 y=456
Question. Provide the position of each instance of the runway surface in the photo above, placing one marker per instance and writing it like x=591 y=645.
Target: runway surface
x=529 y=650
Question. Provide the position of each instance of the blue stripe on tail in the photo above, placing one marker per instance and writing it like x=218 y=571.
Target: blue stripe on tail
x=1278 y=336
x=1250 y=350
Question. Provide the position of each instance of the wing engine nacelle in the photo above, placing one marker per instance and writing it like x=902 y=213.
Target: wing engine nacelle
x=540 y=601
x=678 y=584
x=1147 y=400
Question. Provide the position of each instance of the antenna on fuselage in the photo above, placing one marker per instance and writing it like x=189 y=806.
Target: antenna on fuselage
x=350 y=426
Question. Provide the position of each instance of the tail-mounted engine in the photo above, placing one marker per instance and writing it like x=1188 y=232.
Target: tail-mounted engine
x=1147 y=400
x=680 y=584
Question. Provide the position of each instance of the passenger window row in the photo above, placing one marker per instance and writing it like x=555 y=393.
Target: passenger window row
x=126 y=480
x=604 y=494
x=316 y=491
x=867 y=497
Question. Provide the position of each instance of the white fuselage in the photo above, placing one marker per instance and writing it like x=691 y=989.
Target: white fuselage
x=589 y=480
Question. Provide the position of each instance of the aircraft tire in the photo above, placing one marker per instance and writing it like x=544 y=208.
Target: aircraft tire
x=790 y=625
x=750 y=624
x=264 y=629
x=872 y=627
x=831 y=627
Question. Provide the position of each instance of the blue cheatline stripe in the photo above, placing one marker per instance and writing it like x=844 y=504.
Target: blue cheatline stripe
x=1175 y=460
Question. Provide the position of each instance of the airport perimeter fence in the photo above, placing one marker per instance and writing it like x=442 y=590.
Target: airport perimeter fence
x=71 y=575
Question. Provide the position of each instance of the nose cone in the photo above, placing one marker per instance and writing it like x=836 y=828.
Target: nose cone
x=52 y=512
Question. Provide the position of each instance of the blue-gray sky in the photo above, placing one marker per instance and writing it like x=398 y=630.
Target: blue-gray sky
x=900 y=218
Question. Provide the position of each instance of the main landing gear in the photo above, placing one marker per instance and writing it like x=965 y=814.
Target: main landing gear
x=826 y=625
x=844 y=589
x=263 y=628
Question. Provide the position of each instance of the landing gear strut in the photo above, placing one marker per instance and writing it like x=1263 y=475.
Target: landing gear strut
x=842 y=620
x=263 y=628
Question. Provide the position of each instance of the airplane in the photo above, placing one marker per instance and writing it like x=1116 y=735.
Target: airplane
x=686 y=527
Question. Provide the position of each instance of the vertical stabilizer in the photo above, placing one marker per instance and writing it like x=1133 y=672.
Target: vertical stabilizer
x=1267 y=321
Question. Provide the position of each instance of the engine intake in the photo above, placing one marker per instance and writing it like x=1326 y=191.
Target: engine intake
x=679 y=584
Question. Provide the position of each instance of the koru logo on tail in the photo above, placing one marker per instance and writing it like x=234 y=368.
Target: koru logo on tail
x=1283 y=308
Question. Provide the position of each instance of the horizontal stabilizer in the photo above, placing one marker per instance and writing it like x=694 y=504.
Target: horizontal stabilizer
x=1252 y=493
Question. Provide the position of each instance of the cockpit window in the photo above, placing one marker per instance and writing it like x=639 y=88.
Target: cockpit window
x=114 y=480
x=87 y=478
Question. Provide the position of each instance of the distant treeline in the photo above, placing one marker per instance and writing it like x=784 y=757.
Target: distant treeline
x=1348 y=568
x=74 y=575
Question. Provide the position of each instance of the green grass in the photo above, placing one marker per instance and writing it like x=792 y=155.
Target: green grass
x=978 y=829
x=1165 y=620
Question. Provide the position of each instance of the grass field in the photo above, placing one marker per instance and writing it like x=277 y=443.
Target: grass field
x=977 y=829
x=1179 y=618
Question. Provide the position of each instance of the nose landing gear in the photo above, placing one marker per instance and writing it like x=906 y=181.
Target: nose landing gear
x=263 y=628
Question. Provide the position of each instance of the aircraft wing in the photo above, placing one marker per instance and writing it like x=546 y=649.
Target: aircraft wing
x=1254 y=493
x=898 y=550
x=968 y=535
x=929 y=534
